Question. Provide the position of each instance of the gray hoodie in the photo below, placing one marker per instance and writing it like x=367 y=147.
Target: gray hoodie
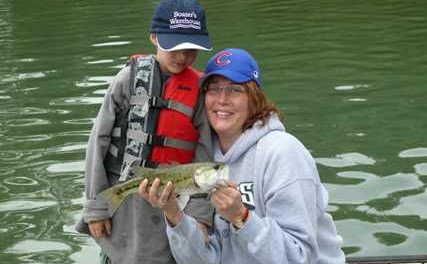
x=288 y=222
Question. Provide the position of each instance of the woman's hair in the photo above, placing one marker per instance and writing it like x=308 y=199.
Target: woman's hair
x=260 y=108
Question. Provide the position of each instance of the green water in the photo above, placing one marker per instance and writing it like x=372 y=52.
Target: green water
x=349 y=75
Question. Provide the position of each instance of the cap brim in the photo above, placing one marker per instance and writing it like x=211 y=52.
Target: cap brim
x=171 y=42
x=232 y=75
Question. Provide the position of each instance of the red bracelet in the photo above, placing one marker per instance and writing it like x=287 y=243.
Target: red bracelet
x=242 y=222
x=245 y=215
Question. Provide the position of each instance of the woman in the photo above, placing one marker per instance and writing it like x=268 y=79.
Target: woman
x=274 y=208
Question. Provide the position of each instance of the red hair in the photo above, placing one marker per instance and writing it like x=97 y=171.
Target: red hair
x=260 y=108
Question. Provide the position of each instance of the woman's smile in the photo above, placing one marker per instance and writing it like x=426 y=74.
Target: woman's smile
x=227 y=109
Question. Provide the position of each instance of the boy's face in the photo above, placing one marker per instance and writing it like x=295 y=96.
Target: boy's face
x=174 y=62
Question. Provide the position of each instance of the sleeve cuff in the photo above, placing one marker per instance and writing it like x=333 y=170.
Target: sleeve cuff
x=95 y=210
x=184 y=227
x=250 y=229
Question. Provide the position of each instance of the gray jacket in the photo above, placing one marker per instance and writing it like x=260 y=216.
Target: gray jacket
x=138 y=229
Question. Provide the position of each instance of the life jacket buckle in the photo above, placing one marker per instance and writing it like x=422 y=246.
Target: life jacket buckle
x=155 y=140
x=159 y=102
x=127 y=171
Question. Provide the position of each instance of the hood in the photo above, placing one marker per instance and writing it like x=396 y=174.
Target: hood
x=247 y=139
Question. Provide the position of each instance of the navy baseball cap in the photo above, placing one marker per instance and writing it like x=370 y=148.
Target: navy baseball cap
x=234 y=64
x=180 y=24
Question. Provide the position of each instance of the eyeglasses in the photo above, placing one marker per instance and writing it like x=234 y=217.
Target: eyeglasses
x=230 y=90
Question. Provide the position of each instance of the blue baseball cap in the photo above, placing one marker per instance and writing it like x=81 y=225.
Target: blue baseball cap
x=234 y=64
x=180 y=24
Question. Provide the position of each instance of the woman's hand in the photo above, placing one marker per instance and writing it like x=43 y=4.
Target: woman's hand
x=165 y=200
x=228 y=203
x=168 y=203
x=100 y=228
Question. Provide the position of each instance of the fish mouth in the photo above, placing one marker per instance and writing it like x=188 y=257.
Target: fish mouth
x=195 y=182
x=223 y=175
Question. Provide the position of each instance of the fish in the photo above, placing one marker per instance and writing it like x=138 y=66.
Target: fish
x=191 y=178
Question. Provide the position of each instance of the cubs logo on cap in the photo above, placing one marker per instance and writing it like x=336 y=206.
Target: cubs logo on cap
x=222 y=58
x=234 y=64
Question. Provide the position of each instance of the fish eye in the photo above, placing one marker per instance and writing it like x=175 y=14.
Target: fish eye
x=216 y=166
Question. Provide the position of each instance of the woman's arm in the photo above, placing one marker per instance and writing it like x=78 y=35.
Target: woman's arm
x=187 y=239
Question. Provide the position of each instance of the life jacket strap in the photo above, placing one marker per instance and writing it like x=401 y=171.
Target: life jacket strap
x=156 y=140
x=171 y=104
x=117 y=132
x=113 y=150
x=130 y=161
x=159 y=102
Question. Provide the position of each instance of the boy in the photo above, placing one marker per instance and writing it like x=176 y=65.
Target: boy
x=150 y=116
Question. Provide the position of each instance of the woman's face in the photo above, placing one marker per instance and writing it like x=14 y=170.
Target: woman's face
x=227 y=107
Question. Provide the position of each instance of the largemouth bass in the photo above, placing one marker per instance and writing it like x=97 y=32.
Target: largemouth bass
x=187 y=178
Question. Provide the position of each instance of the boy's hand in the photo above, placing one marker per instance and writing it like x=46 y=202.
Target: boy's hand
x=100 y=228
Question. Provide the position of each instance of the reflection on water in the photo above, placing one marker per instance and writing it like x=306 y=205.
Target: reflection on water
x=37 y=246
x=413 y=153
x=24 y=205
x=370 y=186
x=113 y=43
x=346 y=160
x=348 y=76
x=358 y=234
x=66 y=167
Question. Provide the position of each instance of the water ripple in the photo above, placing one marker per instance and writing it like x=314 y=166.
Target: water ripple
x=421 y=169
x=84 y=133
x=20 y=181
x=411 y=205
x=371 y=187
x=35 y=138
x=70 y=148
x=24 y=76
x=77 y=101
x=357 y=100
x=27 y=60
x=112 y=43
x=37 y=246
x=100 y=91
x=346 y=160
x=11 y=155
x=4 y=172
x=100 y=61
x=83 y=121
x=95 y=81
x=413 y=153
x=31 y=111
x=351 y=87
x=25 y=205
x=360 y=234
x=17 y=227
x=88 y=251
x=66 y=167
x=27 y=122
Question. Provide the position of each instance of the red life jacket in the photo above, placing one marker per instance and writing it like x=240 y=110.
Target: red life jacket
x=158 y=127
x=182 y=88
